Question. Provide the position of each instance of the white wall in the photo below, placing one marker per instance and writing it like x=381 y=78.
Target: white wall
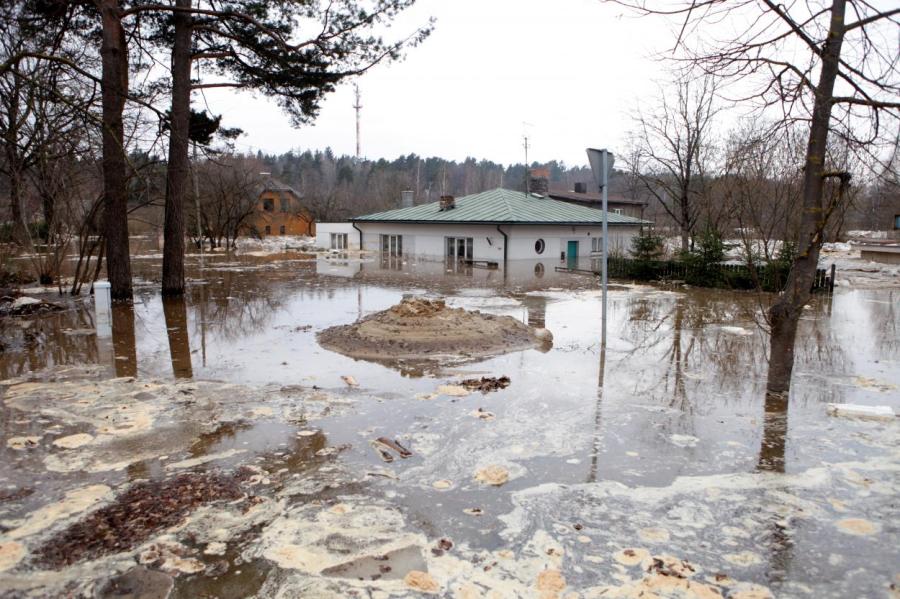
x=428 y=241
x=324 y=231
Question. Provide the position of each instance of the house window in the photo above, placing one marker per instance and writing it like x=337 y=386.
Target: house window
x=268 y=230
x=897 y=221
x=539 y=246
x=392 y=245
x=617 y=211
x=268 y=205
x=281 y=230
x=285 y=205
x=339 y=241
x=460 y=248
x=596 y=245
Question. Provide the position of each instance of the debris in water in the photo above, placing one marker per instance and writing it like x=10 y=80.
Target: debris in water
x=395 y=445
x=442 y=485
x=351 y=382
x=382 y=452
x=744 y=558
x=486 y=384
x=632 y=557
x=11 y=553
x=550 y=583
x=136 y=514
x=452 y=390
x=857 y=526
x=492 y=475
x=654 y=535
x=482 y=414
x=684 y=440
x=860 y=411
x=868 y=383
x=74 y=441
x=27 y=306
x=75 y=501
x=474 y=511
x=421 y=581
x=19 y=443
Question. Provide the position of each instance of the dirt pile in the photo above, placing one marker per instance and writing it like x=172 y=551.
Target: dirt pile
x=418 y=328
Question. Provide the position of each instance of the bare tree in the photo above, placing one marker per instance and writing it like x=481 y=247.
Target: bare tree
x=228 y=193
x=760 y=184
x=830 y=65
x=671 y=150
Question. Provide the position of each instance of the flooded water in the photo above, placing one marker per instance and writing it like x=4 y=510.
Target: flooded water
x=660 y=447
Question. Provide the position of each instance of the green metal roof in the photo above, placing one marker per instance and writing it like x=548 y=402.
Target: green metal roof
x=501 y=206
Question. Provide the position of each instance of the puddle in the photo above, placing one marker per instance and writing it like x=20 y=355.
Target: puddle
x=658 y=465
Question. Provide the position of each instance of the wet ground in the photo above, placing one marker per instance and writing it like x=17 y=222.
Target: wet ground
x=655 y=466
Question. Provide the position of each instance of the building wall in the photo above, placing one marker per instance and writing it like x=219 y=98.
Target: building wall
x=295 y=219
x=324 y=231
x=428 y=241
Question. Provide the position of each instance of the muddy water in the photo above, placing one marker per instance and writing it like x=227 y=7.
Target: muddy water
x=663 y=443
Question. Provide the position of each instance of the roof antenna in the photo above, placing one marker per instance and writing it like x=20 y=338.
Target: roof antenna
x=525 y=126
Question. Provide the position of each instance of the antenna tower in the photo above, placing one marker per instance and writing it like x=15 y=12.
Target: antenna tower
x=357 y=106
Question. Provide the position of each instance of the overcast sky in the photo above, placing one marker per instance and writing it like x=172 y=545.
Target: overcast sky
x=573 y=70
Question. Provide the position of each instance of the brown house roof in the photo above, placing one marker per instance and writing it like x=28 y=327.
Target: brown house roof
x=593 y=198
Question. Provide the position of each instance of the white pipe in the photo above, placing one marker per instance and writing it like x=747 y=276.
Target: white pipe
x=103 y=308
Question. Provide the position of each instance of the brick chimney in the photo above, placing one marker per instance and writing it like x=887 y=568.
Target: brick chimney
x=581 y=188
x=447 y=203
x=539 y=181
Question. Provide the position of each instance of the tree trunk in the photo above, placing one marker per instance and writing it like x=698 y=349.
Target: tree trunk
x=177 y=171
x=14 y=167
x=785 y=313
x=114 y=53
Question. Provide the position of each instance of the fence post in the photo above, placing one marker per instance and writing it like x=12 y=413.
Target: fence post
x=831 y=280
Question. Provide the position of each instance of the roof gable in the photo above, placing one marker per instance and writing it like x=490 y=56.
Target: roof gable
x=498 y=206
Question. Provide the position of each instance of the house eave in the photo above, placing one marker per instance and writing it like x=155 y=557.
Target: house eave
x=497 y=222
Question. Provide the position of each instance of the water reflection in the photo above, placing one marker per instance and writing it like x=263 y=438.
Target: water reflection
x=774 y=436
x=123 y=339
x=175 y=312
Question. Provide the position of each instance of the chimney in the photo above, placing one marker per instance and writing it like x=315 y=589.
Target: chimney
x=581 y=188
x=406 y=199
x=539 y=181
x=447 y=203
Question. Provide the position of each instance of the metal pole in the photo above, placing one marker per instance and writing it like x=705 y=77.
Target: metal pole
x=605 y=246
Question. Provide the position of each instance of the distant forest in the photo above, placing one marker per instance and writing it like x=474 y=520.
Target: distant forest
x=339 y=187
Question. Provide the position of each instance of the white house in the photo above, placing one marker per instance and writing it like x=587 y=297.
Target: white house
x=495 y=226
x=337 y=236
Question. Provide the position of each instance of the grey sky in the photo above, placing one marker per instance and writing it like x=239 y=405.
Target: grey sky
x=573 y=69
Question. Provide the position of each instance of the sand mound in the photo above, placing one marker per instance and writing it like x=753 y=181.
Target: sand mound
x=419 y=328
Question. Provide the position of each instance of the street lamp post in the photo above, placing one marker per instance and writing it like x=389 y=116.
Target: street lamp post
x=601 y=163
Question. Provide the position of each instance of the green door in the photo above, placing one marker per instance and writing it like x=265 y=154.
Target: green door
x=572 y=254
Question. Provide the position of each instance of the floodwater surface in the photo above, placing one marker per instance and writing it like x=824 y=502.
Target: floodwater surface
x=653 y=465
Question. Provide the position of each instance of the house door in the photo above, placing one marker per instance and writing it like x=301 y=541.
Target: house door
x=572 y=254
x=392 y=245
x=460 y=248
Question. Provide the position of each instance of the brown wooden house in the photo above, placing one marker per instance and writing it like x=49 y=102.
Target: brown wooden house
x=279 y=211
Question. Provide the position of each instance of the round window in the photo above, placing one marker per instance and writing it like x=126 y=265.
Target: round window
x=539 y=246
